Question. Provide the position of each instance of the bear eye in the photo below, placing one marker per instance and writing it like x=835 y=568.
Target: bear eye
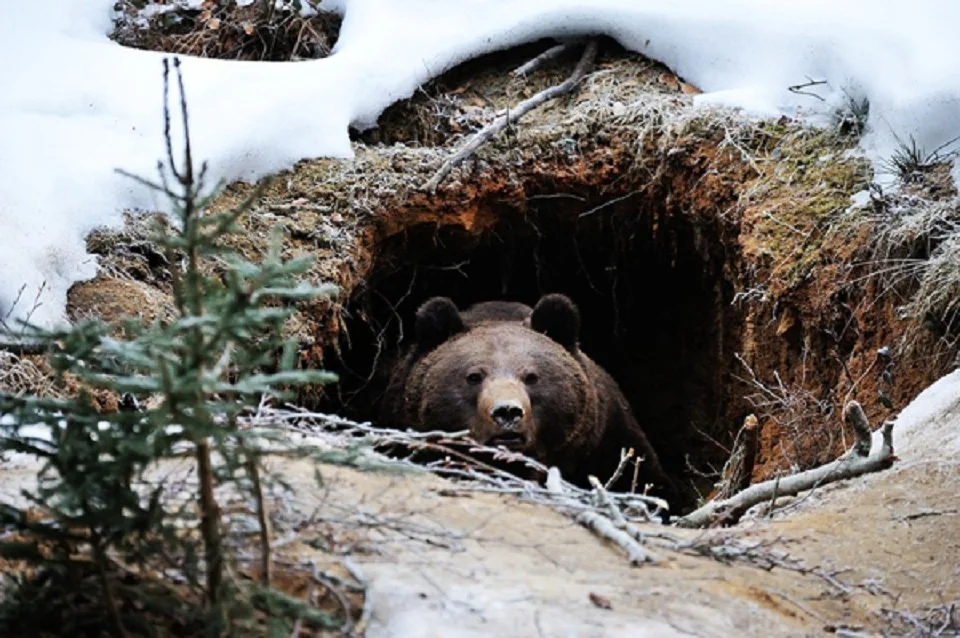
x=474 y=378
x=531 y=378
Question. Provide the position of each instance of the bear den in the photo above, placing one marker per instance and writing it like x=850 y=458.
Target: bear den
x=515 y=377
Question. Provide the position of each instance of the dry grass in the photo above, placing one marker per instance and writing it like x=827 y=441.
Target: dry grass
x=916 y=252
x=20 y=375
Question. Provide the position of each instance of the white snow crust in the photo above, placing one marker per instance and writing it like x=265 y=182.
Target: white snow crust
x=74 y=105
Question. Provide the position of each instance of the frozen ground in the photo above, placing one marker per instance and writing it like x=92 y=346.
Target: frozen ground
x=441 y=564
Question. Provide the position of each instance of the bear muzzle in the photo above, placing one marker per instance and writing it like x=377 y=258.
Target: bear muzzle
x=504 y=410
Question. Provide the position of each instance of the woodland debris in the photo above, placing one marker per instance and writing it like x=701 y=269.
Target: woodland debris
x=552 y=53
x=22 y=346
x=491 y=130
x=855 y=463
x=738 y=469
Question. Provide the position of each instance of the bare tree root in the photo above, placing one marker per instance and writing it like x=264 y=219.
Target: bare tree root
x=491 y=130
x=855 y=463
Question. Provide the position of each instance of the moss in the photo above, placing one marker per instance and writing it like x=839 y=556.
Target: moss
x=807 y=177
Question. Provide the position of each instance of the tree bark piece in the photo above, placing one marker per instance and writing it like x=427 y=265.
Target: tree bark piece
x=848 y=466
x=491 y=130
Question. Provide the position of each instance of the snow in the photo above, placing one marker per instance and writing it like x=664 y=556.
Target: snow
x=75 y=106
x=928 y=429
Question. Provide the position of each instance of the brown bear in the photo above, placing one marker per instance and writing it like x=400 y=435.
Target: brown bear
x=514 y=376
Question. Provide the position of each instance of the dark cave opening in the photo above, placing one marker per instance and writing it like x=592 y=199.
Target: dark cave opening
x=649 y=282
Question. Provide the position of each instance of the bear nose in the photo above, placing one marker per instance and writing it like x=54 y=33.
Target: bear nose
x=507 y=414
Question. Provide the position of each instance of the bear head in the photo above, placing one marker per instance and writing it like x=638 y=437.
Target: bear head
x=518 y=382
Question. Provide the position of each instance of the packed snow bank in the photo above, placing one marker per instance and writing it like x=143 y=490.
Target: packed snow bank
x=75 y=105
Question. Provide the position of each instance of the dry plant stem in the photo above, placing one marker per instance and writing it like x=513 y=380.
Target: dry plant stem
x=620 y=522
x=263 y=519
x=848 y=466
x=550 y=54
x=491 y=130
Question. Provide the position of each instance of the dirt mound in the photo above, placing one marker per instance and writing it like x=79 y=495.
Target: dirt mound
x=719 y=267
x=721 y=271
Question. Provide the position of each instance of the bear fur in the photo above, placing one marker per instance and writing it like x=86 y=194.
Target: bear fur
x=489 y=311
x=514 y=376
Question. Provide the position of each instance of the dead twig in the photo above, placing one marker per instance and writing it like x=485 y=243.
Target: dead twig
x=799 y=89
x=22 y=347
x=494 y=128
x=625 y=456
x=552 y=53
x=601 y=525
x=848 y=466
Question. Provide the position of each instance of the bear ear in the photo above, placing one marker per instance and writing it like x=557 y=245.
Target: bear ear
x=437 y=320
x=557 y=317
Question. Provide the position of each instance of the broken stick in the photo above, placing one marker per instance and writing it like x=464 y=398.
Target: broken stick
x=537 y=62
x=23 y=347
x=604 y=527
x=849 y=465
x=491 y=130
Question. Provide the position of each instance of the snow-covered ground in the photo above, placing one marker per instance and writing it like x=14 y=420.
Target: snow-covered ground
x=74 y=106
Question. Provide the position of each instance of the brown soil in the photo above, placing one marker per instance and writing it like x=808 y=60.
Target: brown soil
x=712 y=257
x=720 y=274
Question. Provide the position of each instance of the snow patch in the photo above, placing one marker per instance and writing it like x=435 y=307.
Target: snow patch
x=78 y=106
x=928 y=429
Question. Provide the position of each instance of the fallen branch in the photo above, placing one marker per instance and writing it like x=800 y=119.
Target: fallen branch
x=855 y=463
x=491 y=130
x=601 y=525
x=550 y=54
x=22 y=347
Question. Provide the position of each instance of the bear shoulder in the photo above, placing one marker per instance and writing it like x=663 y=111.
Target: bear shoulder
x=622 y=431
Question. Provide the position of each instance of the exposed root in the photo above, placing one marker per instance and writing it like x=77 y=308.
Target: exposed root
x=856 y=463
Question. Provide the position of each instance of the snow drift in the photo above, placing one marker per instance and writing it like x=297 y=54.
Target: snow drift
x=75 y=106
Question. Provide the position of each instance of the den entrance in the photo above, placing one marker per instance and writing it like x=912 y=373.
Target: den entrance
x=649 y=282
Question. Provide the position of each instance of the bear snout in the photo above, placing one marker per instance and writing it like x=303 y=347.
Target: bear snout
x=504 y=411
x=507 y=414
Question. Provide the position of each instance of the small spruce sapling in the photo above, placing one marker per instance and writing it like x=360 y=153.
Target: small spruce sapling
x=219 y=356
